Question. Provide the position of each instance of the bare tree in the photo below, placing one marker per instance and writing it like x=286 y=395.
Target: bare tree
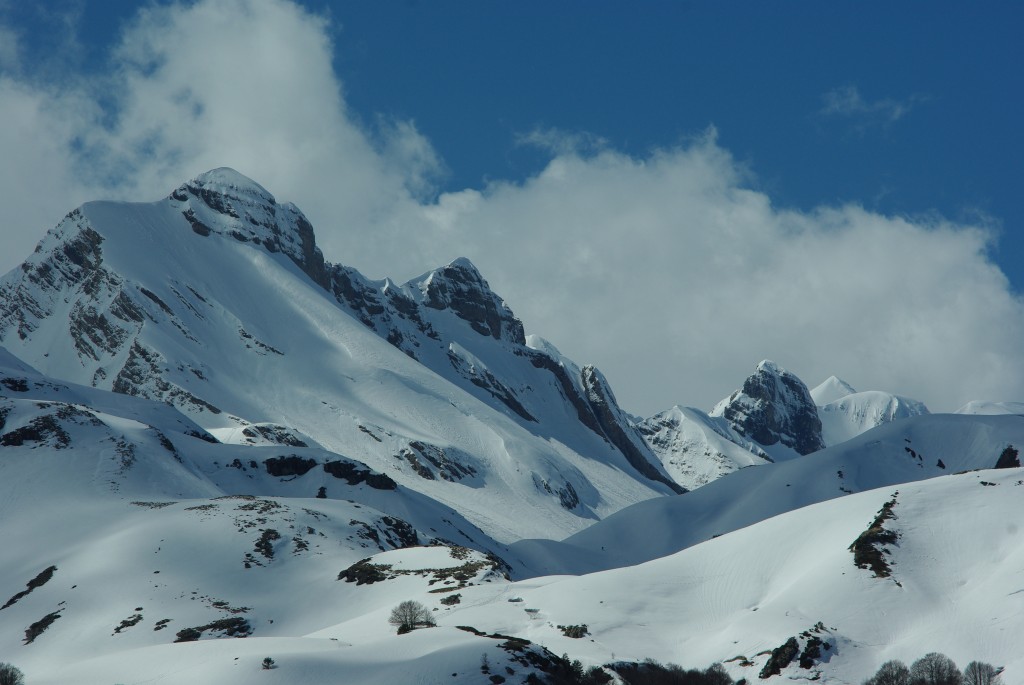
x=980 y=673
x=11 y=675
x=935 y=669
x=410 y=615
x=893 y=672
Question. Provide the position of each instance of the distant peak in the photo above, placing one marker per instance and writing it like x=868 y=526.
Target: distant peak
x=463 y=263
x=830 y=390
x=768 y=366
x=774 y=406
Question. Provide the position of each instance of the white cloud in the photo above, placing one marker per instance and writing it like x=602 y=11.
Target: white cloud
x=677 y=279
x=241 y=83
x=559 y=142
x=668 y=271
x=847 y=101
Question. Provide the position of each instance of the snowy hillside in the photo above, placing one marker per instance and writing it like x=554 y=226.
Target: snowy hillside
x=982 y=407
x=952 y=584
x=900 y=452
x=696 y=448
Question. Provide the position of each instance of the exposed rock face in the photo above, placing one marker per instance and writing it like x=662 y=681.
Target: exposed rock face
x=780 y=658
x=291 y=465
x=224 y=201
x=459 y=287
x=614 y=425
x=101 y=321
x=354 y=473
x=773 y=407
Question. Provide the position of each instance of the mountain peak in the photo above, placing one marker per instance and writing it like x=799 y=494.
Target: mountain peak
x=774 y=406
x=830 y=390
x=225 y=201
x=768 y=366
x=230 y=183
x=464 y=264
x=460 y=288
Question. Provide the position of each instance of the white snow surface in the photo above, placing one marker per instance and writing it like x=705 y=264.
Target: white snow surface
x=696 y=448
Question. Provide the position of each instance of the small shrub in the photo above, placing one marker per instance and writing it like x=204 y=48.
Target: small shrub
x=575 y=631
x=410 y=615
x=268 y=664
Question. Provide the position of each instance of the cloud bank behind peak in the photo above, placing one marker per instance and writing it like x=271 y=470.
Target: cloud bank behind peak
x=670 y=270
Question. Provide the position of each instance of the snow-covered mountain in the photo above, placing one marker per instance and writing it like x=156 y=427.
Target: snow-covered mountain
x=775 y=410
x=773 y=417
x=846 y=413
x=696 y=448
x=217 y=300
x=133 y=566
x=208 y=432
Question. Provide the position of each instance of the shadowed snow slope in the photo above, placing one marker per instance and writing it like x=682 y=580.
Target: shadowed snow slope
x=913 y=449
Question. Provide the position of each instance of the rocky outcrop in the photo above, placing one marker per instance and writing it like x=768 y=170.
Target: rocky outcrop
x=617 y=429
x=1008 y=459
x=461 y=289
x=226 y=202
x=774 y=407
x=354 y=474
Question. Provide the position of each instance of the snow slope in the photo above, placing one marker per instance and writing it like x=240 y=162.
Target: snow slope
x=990 y=408
x=905 y=451
x=955 y=587
x=831 y=389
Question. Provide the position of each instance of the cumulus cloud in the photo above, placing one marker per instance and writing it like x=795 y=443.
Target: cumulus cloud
x=677 y=278
x=668 y=270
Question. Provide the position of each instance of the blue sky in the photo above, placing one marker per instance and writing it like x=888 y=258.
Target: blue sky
x=465 y=114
